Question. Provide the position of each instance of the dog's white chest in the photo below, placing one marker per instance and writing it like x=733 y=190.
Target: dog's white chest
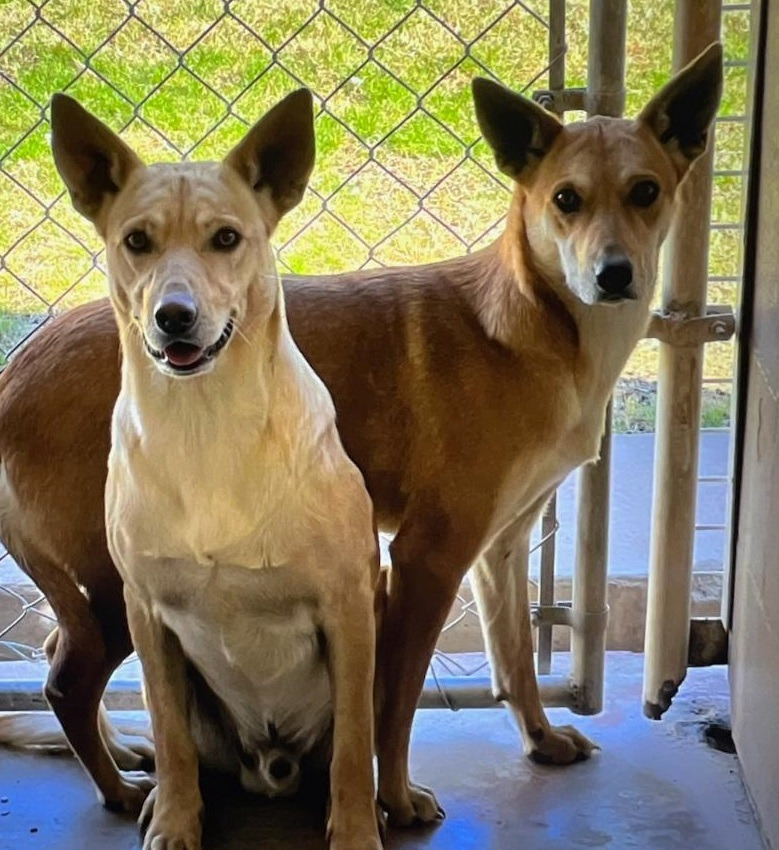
x=253 y=637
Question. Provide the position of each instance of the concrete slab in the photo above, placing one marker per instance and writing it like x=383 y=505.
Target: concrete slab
x=654 y=785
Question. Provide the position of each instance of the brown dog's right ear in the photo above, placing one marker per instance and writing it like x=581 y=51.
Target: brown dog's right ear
x=92 y=160
x=518 y=130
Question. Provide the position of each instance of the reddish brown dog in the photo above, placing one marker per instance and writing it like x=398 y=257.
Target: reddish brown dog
x=465 y=392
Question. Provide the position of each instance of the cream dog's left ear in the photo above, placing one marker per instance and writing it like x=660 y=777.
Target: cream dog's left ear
x=276 y=157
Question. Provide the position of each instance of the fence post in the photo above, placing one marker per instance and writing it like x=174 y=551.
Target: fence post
x=605 y=96
x=546 y=589
x=696 y=25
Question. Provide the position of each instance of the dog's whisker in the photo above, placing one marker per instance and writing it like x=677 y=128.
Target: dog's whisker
x=239 y=332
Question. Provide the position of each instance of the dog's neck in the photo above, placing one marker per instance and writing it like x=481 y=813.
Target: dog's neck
x=259 y=379
x=520 y=304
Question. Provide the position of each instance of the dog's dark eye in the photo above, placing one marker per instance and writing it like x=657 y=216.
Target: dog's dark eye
x=568 y=200
x=138 y=242
x=644 y=193
x=225 y=239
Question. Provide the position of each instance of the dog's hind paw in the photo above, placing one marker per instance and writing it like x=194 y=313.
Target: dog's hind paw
x=131 y=752
x=560 y=745
x=130 y=794
x=417 y=805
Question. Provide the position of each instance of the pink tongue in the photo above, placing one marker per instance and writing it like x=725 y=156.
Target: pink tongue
x=183 y=354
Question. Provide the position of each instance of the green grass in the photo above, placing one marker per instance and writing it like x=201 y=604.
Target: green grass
x=179 y=116
x=635 y=406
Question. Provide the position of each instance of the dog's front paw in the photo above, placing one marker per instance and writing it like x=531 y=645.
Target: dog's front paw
x=560 y=745
x=351 y=837
x=172 y=825
x=130 y=793
x=355 y=842
x=413 y=805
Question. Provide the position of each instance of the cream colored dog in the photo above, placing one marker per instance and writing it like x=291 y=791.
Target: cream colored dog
x=242 y=531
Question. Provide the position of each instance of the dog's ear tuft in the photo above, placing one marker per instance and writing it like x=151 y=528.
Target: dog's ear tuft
x=518 y=130
x=92 y=160
x=277 y=155
x=682 y=112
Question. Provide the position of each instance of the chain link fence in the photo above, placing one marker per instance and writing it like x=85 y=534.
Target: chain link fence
x=401 y=174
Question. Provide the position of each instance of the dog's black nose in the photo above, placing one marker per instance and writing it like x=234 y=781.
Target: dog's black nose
x=615 y=276
x=280 y=768
x=176 y=313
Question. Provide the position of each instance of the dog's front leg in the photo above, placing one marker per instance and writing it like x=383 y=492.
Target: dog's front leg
x=423 y=584
x=499 y=580
x=349 y=627
x=172 y=812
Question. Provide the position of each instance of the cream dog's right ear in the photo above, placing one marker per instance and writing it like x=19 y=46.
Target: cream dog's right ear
x=92 y=160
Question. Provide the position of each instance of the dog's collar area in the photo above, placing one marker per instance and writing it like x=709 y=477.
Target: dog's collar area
x=184 y=358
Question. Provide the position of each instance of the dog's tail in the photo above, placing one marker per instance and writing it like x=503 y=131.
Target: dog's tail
x=32 y=730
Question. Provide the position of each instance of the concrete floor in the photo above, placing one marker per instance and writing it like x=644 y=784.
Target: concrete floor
x=654 y=785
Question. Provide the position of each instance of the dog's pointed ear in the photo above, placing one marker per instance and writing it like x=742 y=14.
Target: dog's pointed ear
x=518 y=130
x=276 y=156
x=92 y=160
x=682 y=112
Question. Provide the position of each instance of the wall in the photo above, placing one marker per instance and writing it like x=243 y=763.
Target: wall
x=755 y=628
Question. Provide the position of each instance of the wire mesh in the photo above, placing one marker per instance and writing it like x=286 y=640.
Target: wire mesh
x=394 y=125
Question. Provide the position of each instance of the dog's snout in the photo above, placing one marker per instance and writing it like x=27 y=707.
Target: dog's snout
x=615 y=276
x=280 y=768
x=176 y=313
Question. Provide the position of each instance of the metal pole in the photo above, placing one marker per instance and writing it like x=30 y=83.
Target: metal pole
x=546 y=585
x=549 y=520
x=458 y=692
x=605 y=96
x=696 y=25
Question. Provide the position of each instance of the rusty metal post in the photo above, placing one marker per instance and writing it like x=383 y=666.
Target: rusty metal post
x=605 y=96
x=696 y=25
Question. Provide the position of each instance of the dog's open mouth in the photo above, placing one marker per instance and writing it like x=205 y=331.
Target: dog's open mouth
x=184 y=357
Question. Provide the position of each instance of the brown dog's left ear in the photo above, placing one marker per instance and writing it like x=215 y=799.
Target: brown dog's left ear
x=518 y=130
x=277 y=155
x=681 y=113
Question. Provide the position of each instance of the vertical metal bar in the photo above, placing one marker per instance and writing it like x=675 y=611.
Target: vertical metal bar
x=549 y=521
x=605 y=96
x=696 y=25
x=546 y=585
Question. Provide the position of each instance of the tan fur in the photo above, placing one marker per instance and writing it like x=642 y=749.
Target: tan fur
x=465 y=390
x=242 y=531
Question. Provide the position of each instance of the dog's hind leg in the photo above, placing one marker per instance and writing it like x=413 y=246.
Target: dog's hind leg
x=131 y=749
x=499 y=582
x=83 y=655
